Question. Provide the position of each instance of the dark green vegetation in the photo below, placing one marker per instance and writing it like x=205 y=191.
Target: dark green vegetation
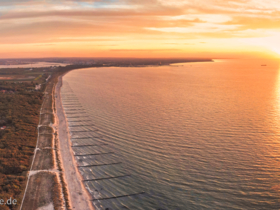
x=19 y=112
x=38 y=75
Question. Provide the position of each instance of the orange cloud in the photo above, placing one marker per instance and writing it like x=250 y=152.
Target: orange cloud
x=115 y=28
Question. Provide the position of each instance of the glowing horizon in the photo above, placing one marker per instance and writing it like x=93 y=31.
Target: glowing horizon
x=134 y=28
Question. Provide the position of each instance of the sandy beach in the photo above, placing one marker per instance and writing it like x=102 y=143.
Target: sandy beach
x=78 y=196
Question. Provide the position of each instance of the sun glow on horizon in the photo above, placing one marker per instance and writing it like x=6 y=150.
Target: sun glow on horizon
x=123 y=28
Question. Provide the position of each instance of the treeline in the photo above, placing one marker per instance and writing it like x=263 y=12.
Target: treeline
x=19 y=113
x=17 y=86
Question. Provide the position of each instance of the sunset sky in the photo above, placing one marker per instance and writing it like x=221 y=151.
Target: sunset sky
x=139 y=28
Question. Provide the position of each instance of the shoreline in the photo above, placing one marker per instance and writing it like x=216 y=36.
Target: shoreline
x=79 y=197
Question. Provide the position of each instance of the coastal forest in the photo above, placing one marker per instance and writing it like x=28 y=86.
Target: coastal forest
x=19 y=116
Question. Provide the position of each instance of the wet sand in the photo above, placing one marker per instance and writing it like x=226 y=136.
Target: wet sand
x=78 y=196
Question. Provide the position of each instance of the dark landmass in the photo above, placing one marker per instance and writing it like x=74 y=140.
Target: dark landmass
x=144 y=62
x=103 y=61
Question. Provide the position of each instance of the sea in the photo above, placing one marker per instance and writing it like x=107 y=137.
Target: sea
x=178 y=137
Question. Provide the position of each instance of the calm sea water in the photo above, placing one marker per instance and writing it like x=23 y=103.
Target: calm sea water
x=192 y=136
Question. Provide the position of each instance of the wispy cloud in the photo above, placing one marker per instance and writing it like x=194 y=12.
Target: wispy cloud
x=135 y=24
x=143 y=50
